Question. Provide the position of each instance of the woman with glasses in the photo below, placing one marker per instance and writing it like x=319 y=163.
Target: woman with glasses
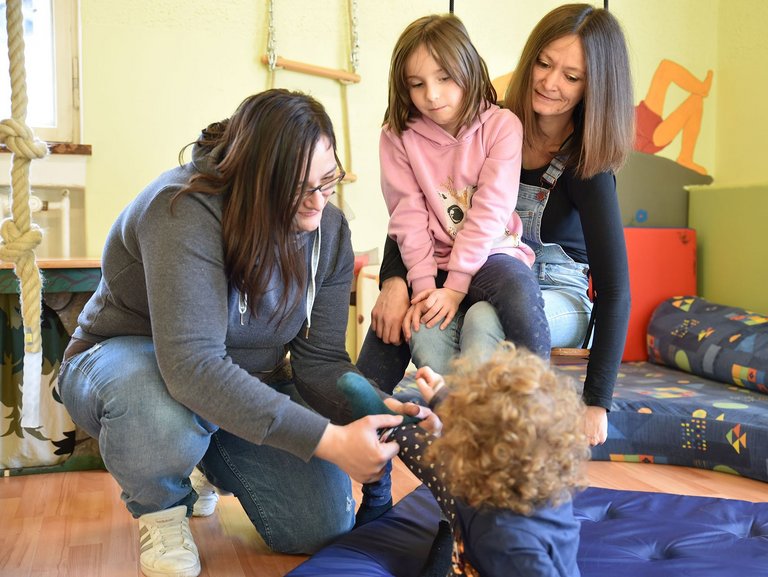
x=225 y=290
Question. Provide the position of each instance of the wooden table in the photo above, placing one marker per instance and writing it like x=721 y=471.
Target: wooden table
x=67 y=285
x=60 y=275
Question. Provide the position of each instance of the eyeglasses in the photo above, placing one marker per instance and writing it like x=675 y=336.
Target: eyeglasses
x=327 y=188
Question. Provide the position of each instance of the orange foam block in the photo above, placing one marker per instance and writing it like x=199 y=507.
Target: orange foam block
x=662 y=264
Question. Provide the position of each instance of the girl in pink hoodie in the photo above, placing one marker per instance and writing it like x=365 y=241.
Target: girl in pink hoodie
x=450 y=170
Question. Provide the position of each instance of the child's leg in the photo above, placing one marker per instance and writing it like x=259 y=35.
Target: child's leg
x=413 y=443
x=567 y=315
x=513 y=290
x=377 y=498
x=413 y=440
x=435 y=347
x=364 y=400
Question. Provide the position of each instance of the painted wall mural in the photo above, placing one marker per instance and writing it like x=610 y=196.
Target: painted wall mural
x=677 y=87
x=655 y=130
x=651 y=187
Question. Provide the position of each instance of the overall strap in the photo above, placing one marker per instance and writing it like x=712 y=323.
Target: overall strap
x=548 y=181
x=553 y=172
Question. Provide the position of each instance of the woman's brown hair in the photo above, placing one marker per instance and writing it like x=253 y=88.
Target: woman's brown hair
x=604 y=120
x=446 y=38
x=262 y=156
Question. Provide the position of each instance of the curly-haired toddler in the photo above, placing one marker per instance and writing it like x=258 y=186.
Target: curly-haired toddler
x=504 y=469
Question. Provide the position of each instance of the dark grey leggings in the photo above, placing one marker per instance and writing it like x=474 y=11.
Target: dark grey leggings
x=413 y=442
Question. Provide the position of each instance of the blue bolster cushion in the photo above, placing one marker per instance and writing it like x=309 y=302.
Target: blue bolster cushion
x=723 y=343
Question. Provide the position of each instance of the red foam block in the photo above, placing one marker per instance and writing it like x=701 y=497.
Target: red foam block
x=662 y=264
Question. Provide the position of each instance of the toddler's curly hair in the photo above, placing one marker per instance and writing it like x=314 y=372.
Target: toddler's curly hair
x=512 y=433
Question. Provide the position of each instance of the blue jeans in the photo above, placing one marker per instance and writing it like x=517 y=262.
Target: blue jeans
x=566 y=302
x=477 y=332
x=150 y=443
x=513 y=291
x=383 y=363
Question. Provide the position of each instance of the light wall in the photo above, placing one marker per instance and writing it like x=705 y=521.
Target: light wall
x=732 y=255
x=742 y=119
x=154 y=73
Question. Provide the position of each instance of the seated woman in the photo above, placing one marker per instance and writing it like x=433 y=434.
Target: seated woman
x=503 y=471
x=575 y=138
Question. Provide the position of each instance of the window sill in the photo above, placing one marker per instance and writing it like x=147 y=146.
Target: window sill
x=61 y=148
x=64 y=166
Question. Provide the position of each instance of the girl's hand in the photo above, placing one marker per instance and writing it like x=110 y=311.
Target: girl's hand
x=596 y=425
x=438 y=305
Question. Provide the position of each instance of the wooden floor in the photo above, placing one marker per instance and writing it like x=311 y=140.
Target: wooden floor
x=74 y=524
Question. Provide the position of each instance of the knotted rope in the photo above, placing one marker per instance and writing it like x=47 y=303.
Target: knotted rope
x=19 y=235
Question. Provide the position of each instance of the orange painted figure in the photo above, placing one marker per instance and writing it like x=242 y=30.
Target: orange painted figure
x=655 y=131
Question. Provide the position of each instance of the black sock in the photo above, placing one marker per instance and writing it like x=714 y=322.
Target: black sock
x=438 y=562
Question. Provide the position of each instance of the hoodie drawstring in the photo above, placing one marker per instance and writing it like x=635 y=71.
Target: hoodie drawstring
x=311 y=285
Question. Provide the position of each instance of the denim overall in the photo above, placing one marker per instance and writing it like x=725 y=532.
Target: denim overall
x=564 y=282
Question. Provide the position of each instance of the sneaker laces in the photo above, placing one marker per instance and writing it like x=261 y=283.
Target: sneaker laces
x=171 y=534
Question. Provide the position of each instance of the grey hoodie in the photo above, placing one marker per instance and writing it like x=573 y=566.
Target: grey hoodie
x=163 y=276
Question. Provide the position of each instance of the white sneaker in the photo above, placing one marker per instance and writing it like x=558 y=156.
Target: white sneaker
x=166 y=547
x=207 y=497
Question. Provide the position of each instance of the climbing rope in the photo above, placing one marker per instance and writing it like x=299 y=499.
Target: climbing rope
x=354 y=53
x=19 y=235
x=271 y=44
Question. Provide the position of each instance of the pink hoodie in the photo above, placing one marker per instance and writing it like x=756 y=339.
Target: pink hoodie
x=451 y=200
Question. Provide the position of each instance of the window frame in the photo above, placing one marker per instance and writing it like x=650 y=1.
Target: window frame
x=67 y=75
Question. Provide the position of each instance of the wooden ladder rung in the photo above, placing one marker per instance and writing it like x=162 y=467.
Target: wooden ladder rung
x=335 y=74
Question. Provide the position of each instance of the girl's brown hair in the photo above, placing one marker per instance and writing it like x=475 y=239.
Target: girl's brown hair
x=604 y=119
x=447 y=40
x=263 y=154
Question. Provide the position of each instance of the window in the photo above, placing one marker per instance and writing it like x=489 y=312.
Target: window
x=52 y=69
